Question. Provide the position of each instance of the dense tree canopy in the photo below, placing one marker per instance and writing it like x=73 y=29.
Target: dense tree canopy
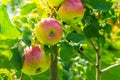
x=82 y=39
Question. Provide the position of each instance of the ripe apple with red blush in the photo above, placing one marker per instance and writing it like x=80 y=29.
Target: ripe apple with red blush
x=35 y=60
x=48 y=31
x=71 y=10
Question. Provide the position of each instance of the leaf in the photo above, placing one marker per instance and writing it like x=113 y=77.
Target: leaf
x=9 y=42
x=74 y=37
x=107 y=28
x=17 y=57
x=16 y=2
x=67 y=75
x=49 y=51
x=0 y=29
x=27 y=35
x=102 y=40
x=7 y=28
x=4 y=62
x=66 y=51
x=103 y=5
x=27 y=8
x=5 y=1
x=91 y=31
x=6 y=73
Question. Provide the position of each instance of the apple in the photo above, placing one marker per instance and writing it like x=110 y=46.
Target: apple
x=35 y=60
x=55 y=3
x=71 y=10
x=48 y=31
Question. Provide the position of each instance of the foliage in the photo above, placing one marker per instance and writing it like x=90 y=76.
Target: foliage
x=100 y=24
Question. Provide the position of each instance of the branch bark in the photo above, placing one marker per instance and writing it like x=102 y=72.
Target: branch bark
x=53 y=65
x=109 y=67
x=98 y=60
x=98 y=65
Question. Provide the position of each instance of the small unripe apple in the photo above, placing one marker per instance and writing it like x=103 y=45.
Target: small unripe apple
x=71 y=10
x=35 y=60
x=49 y=31
x=55 y=3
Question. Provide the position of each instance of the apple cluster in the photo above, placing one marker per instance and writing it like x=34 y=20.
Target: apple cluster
x=49 y=32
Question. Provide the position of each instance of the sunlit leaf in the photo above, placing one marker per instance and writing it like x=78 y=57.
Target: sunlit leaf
x=7 y=28
x=27 y=8
x=5 y=1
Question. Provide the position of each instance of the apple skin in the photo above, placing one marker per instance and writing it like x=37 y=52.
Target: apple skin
x=55 y=3
x=71 y=10
x=49 y=31
x=35 y=60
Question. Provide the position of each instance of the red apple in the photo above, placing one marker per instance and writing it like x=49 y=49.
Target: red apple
x=35 y=60
x=71 y=10
x=49 y=31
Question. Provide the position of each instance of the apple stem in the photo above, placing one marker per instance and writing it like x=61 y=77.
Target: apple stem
x=53 y=65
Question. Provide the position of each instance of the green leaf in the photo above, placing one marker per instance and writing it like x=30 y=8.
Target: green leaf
x=107 y=28
x=9 y=42
x=101 y=40
x=66 y=51
x=17 y=57
x=7 y=28
x=16 y=2
x=0 y=29
x=91 y=31
x=27 y=35
x=49 y=51
x=27 y=8
x=5 y=74
x=4 y=62
x=67 y=75
x=103 y=5
x=74 y=37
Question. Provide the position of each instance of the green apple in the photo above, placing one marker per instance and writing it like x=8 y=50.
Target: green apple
x=55 y=3
x=35 y=60
x=49 y=31
x=71 y=10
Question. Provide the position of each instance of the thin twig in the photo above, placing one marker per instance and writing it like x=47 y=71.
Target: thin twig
x=94 y=46
x=21 y=76
x=53 y=13
x=81 y=52
x=109 y=67
x=98 y=60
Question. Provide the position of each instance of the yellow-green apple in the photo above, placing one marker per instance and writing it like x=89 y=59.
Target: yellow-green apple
x=35 y=60
x=71 y=10
x=49 y=31
x=55 y=3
